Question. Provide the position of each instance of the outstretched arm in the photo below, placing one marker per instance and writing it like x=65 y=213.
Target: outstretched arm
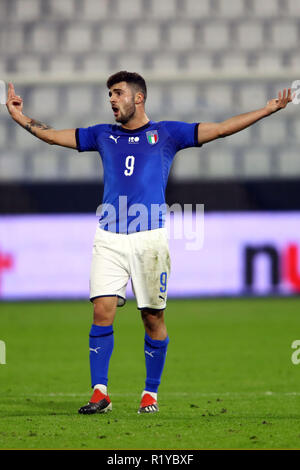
x=208 y=131
x=64 y=138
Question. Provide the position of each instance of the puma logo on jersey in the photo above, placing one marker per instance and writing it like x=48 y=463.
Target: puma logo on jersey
x=115 y=139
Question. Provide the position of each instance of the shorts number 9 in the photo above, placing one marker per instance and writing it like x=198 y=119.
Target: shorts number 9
x=163 y=282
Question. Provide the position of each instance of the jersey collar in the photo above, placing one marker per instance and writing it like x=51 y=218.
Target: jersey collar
x=133 y=131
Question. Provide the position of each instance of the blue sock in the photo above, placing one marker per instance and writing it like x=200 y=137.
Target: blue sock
x=101 y=347
x=155 y=356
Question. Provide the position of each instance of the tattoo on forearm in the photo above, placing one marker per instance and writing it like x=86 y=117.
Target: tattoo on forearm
x=33 y=123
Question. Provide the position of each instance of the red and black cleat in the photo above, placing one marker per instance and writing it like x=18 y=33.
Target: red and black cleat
x=99 y=403
x=148 y=404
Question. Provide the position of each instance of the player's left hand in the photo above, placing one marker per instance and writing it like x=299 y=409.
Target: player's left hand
x=280 y=102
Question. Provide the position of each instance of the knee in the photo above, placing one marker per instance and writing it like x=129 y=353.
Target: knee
x=153 y=319
x=104 y=312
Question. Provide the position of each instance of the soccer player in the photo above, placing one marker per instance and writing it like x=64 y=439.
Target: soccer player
x=130 y=239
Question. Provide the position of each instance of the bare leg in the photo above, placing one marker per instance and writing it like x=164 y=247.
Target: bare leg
x=105 y=310
x=154 y=323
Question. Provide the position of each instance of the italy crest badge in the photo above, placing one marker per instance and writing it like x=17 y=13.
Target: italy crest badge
x=152 y=137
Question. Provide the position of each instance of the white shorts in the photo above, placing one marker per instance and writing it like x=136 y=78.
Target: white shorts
x=142 y=256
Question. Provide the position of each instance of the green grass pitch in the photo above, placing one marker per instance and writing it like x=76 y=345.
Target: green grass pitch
x=228 y=383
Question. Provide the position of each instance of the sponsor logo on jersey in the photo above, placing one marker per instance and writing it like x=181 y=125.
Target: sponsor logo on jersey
x=152 y=137
x=115 y=139
x=133 y=140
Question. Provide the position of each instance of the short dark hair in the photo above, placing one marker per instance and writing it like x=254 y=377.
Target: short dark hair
x=132 y=78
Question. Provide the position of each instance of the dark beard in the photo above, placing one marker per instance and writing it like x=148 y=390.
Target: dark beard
x=129 y=115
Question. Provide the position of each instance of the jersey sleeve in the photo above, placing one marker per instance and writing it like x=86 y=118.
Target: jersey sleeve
x=184 y=134
x=87 y=138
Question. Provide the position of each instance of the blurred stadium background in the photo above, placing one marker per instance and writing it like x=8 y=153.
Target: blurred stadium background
x=203 y=60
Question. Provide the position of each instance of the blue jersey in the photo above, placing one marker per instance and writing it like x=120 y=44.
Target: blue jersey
x=136 y=165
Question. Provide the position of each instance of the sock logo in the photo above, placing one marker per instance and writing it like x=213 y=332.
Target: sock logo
x=95 y=350
x=150 y=353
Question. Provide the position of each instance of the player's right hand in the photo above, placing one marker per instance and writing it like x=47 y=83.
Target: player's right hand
x=14 y=103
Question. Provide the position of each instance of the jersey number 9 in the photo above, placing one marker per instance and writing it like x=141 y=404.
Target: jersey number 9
x=129 y=163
